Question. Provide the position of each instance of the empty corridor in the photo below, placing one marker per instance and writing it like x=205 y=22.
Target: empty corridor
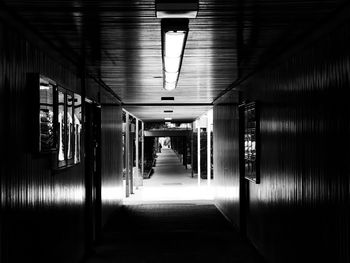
x=171 y=233
x=170 y=228
x=170 y=182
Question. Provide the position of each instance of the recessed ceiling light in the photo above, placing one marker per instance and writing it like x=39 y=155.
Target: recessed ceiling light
x=168 y=119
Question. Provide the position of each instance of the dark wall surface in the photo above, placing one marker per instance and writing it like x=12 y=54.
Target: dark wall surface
x=111 y=156
x=226 y=159
x=300 y=210
x=43 y=210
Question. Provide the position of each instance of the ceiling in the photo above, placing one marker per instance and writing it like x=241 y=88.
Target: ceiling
x=121 y=41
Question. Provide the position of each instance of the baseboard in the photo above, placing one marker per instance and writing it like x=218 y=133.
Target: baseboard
x=226 y=217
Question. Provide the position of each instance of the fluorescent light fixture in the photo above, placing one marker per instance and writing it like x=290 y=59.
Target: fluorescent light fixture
x=169 y=86
x=170 y=77
x=168 y=111
x=174 y=42
x=168 y=119
x=172 y=65
x=174 y=35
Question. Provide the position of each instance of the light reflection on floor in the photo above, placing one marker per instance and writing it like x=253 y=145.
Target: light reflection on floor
x=146 y=194
x=171 y=182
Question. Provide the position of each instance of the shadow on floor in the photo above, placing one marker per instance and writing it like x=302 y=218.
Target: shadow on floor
x=171 y=233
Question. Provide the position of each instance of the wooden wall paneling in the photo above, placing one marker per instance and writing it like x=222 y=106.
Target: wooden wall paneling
x=300 y=210
x=226 y=159
x=2 y=149
x=92 y=89
x=111 y=155
x=44 y=210
x=121 y=42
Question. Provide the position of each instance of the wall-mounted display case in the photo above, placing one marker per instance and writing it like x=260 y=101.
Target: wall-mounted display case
x=61 y=128
x=77 y=127
x=69 y=124
x=57 y=122
x=43 y=109
x=251 y=142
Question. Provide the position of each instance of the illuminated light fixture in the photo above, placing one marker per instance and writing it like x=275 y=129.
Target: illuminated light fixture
x=170 y=77
x=176 y=9
x=168 y=119
x=169 y=85
x=174 y=42
x=172 y=65
x=174 y=35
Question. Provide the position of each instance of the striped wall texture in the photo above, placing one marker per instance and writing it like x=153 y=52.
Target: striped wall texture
x=300 y=210
x=42 y=210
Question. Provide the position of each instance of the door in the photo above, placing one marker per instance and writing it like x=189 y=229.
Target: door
x=92 y=172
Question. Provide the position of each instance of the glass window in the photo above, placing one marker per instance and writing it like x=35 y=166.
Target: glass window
x=77 y=127
x=46 y=115
x=61 y=129
x=70 y=128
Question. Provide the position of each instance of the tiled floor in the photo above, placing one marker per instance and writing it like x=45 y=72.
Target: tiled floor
x=171 y=182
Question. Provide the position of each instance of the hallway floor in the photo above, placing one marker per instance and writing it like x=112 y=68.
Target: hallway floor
x=164 y=233
x=170 y=182
x=171 y=219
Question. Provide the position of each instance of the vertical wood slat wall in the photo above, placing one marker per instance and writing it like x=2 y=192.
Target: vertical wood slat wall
x=111 y=156
x=300 y=210
x=226 y=159
x=42 y=211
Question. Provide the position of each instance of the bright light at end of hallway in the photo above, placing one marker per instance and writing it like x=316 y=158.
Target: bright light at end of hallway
x=111 y=194
x=171 y=194
x=170 y=182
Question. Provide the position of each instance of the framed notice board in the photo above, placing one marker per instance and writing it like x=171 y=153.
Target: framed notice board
x=251 y=142
x=56 y=116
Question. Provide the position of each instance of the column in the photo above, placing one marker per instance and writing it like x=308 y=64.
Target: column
x=142 y=152
x=137 y=175
x=208 y=151
x=199 y=152
x=127 y=150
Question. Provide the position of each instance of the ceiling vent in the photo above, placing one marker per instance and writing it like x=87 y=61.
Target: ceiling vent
x=167 y=98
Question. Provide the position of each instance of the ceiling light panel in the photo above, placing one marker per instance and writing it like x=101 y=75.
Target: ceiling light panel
x=172 y=65
x=170 y=77
x=174 y=42
x=169 y=86
x=174 y=35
